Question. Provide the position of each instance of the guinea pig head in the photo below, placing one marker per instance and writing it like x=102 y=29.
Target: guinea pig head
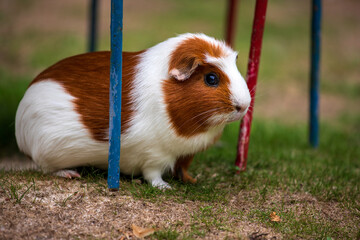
x=205 y=88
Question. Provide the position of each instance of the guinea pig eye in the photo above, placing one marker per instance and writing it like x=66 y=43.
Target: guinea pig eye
x=212 y=80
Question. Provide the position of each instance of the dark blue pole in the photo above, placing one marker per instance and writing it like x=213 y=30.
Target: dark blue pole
x=315 y=72
x=93 y=26
x=115 y=93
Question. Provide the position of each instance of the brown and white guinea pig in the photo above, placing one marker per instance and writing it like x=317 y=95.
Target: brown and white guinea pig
x=176 y=99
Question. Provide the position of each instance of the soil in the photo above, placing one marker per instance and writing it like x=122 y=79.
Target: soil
x=56 y=208
x=61 y=209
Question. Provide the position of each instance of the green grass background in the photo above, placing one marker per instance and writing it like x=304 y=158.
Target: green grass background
x=280 y=158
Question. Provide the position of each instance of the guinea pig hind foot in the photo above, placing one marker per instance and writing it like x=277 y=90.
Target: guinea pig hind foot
x=66 y=173
x=182 y=174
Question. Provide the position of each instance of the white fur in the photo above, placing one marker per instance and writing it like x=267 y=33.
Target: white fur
x=151 y=141
x=50 y=131
x=240 y=94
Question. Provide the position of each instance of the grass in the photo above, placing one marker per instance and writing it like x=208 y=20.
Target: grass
x=166 y=234
x=14 y=191
x=281 y=166
x=11 y=92
x=279 y=161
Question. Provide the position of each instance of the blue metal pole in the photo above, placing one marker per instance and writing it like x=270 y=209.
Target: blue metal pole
x=93 y=25
x=115 y=94
x=315 y=72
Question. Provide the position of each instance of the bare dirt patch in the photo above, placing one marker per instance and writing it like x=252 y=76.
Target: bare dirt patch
x=59 y=208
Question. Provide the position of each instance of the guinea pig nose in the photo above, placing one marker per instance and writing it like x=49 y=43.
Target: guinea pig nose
x=238 y=108
x=241 y=107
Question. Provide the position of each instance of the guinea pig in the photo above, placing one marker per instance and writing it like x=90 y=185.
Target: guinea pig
x=177 y=96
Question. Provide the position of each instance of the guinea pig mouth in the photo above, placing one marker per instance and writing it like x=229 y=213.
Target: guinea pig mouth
x=235 y=116
x=226 y=118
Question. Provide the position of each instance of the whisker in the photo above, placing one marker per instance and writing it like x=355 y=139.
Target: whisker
x=200 y=125
x=198 y=115
x=201 y=121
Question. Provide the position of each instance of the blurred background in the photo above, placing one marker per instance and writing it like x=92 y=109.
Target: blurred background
x=35 y=34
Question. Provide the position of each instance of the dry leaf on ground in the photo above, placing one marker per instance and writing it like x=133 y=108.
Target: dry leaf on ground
x=274 y=217
x=142 y=232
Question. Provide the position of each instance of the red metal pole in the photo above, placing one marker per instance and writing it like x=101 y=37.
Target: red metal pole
x=252 y=72
x=230 y=22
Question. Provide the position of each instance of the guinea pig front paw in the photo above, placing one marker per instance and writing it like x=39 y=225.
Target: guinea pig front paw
x=160 y=184
x=65 y=173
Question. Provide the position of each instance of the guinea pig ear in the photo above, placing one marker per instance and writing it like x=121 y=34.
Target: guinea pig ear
x=182 y=69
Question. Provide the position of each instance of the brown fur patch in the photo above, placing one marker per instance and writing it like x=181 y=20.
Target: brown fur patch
x=190 y=103
x=192 y=52
x=86 y=77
